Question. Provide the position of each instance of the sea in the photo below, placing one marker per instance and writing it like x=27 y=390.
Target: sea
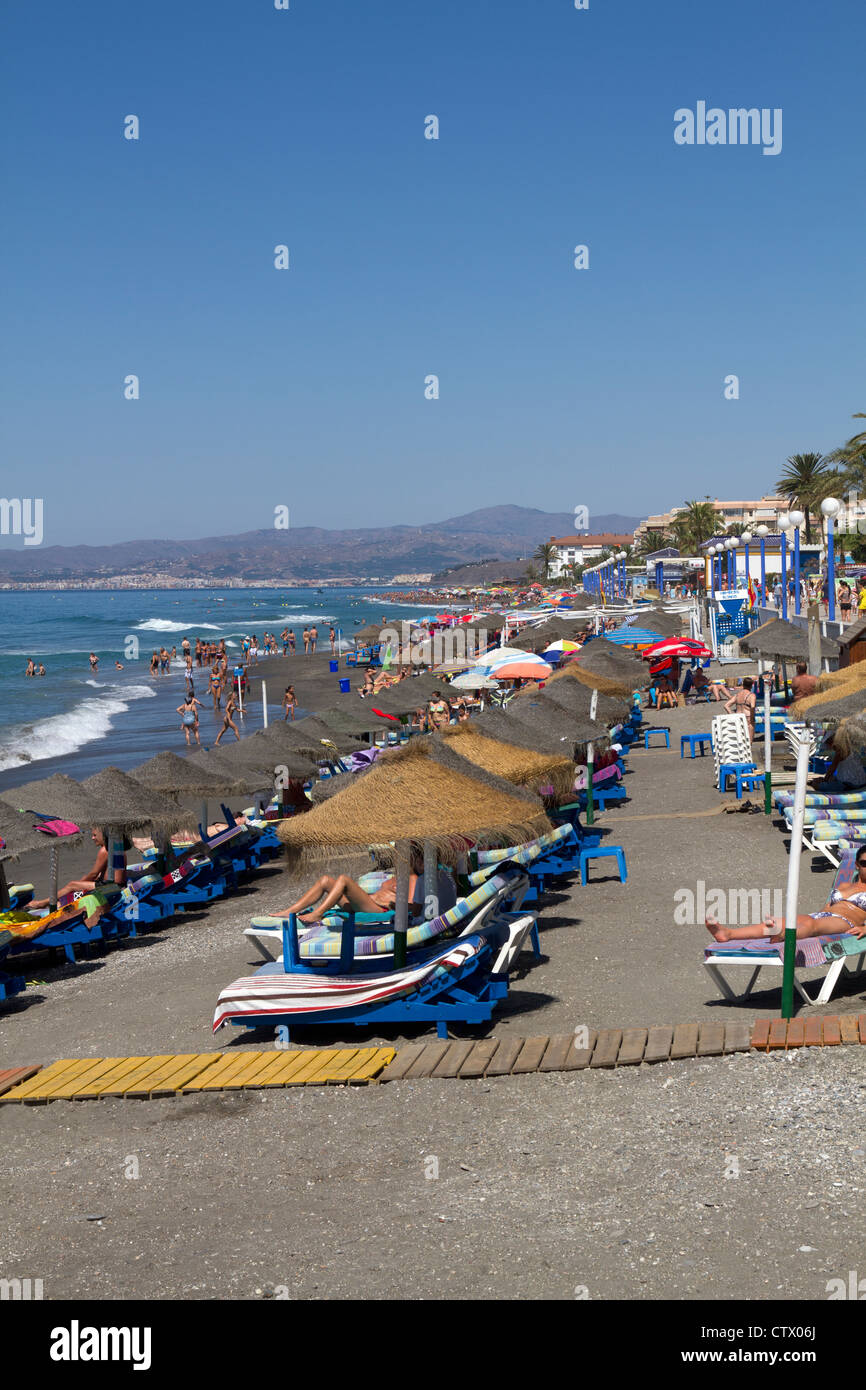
x=77 y=721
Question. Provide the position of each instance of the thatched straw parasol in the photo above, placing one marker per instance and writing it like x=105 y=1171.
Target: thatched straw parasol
x=354 y=719
x=19 y=836
x=777 y=640
x=656 y=620
x=173 y=776
x=129 y=805
x=524 y=767
x=593 y=680
x=424 y=792
x=538 y=639
x=624 y=671
x=312 y=732
x=407 y=695
x=850 y=735
x=550 y=719
x=365 y=636
x=576 y=697
x=59 y=796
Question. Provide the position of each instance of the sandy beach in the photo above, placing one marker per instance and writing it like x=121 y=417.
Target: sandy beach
x=614 y=955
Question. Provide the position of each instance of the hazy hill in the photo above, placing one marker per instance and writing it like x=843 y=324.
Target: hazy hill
x=310 y=552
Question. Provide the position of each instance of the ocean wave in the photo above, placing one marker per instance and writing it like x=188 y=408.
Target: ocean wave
x=87 y=721
x=166 y=625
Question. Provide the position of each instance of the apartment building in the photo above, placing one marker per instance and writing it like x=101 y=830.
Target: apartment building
x=736 y=513
x=582 y=550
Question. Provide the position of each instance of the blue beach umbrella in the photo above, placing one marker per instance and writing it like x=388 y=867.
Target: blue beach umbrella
x=632 y=637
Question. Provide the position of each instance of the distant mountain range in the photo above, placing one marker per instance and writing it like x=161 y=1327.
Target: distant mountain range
x=310 y=552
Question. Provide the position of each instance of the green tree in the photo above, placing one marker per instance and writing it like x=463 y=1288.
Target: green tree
x=702 y=522
x=652 y=540
x=850 y=462
x=806 y=481
x=546 y=553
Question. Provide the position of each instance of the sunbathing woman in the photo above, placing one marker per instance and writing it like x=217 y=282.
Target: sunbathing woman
x=345 y=892
x=844 y=915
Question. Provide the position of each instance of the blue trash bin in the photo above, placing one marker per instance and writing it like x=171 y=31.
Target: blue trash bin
x=345 y=685
x=334 y=665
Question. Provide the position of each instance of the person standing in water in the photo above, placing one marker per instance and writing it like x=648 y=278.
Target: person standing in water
x=332 y=635
x=94 y=662
x=188 y=712
x=228 y=721
x=306 y=636
x=31 y=669
x=291 y=641
x=314 y=637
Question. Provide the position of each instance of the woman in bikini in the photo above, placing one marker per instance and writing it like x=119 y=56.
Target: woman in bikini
x=188 y=712
x=228 y=722
x=343 y=891
x=845 y=914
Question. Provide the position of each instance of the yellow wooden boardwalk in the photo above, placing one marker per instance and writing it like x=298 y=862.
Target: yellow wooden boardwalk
x=191 y=1073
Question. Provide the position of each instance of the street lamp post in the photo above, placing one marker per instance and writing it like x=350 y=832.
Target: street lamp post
x=622 y=579
x=746 y=540
x=762 y=532
x=797 y=518
x=784 y=527
x=830 y=509
x=735 y=541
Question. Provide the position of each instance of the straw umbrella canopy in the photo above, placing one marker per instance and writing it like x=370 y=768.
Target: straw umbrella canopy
x=551 y=719
x=312 y=732
x=129 y=805
x=576 y=698
x=367 y=635
x=656 y=620
x=19 y=836
x=354 y=720
x=424 y=792
x=778 y=640
x=174 y=776
x=264 y=762
x=58 y=796
x=626 y=671
x=235 y=779
x=538 y=639
x=407 y=695
x=525 y=767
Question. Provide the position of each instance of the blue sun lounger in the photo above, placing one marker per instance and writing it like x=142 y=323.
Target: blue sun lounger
x=453 y=982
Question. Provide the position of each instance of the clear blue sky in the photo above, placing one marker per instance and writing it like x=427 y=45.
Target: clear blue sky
x=409 y=257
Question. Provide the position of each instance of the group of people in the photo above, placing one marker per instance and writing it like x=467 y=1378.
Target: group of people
x=33 y=669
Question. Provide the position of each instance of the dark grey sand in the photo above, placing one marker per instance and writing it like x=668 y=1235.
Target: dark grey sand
x=610 y=1181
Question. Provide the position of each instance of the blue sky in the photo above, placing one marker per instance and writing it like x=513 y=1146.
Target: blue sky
x=409 y=257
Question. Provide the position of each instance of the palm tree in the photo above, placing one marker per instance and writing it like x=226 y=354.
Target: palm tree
x=851 y=460
x=546 y=553
x=806 y=481
x=651 y=541
x=701 y=517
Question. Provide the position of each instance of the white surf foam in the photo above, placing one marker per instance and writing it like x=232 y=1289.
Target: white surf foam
x=90 y=719
x=166 y=625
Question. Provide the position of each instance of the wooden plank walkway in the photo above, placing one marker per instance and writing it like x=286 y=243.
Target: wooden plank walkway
x=614 y=1047
x=192 y=1073
x=199 y=1073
